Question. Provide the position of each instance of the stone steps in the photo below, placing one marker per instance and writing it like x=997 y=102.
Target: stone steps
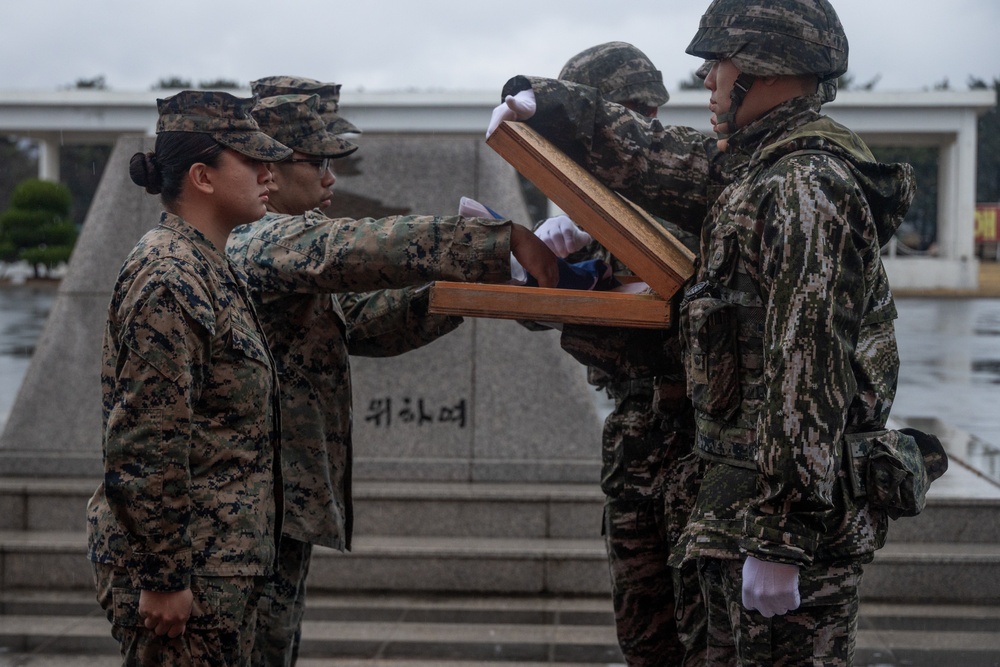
x=950 y=573
x=479 y=575
x=484 y=510
x=523 y=539
x=381 y=507
x=64 y=629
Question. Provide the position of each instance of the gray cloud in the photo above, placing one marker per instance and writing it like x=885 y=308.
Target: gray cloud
x=444 y=44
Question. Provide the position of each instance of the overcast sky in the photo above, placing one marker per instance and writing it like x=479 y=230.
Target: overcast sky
x=430 y=45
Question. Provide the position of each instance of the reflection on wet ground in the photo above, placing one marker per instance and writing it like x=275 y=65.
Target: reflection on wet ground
x=23 y=309
x=950 y=374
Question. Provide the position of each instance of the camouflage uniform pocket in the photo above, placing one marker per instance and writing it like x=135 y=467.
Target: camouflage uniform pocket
x=125 y=608
x=205 y=609
x=887 y=467
x=713 y=356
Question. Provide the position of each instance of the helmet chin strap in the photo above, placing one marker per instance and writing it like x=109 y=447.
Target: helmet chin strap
x=736 y=96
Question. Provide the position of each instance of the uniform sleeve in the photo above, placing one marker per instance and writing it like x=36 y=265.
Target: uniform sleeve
x=316 y=254
x=816 y=245
x=163 y=349
x=672 y=171
x=390 y=322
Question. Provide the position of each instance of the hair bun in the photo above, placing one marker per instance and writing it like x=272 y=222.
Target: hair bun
x=145 y=172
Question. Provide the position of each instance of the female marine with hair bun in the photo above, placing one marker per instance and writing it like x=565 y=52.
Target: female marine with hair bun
x=182 y=530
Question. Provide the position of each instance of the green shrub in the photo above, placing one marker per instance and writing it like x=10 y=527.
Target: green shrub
x=38 y=195
x=36 y=227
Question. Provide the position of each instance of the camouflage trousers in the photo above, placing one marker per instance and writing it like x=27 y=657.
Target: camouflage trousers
x=282 y=606
x=659 y=614
x=821 y=632
x=219 y=632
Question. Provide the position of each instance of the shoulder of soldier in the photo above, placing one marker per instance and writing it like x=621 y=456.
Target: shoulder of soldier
x=170 y=273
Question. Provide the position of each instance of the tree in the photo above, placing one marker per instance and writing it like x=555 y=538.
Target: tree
x=173 y=82
x=988 y=155
x=218 y=84
x=693 y=82
x=36 y=227
x=80 y=168
x=18 y=161
x=96 y=83
x=846 y=82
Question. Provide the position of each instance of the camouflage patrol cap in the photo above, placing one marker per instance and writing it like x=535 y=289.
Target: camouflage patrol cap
x=620 y=71
x=224 y=117
x=270 y=86
x=329 y=97
x=774 y=37
x=294 y=120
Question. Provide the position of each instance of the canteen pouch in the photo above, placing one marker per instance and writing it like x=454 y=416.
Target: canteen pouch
x=887 y=467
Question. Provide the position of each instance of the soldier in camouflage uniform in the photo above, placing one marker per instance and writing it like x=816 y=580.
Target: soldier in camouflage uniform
x=788 y=325
x=649 y=472
x=384 y=322
x=297 y=260
x=181 y=532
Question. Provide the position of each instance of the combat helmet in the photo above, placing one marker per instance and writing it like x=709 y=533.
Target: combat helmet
x=620 y=71
x=773 y=38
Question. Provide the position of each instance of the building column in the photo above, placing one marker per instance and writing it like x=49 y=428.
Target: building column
x=48 y=159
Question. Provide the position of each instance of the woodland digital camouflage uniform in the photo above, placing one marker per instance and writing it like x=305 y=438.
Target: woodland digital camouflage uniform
x=313 y=328
x=822 y=213
x=294 y=266
x=189 y=495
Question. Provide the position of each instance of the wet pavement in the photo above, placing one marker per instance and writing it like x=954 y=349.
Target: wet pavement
x=23 y=310
x=950 y=371
x=950 y=353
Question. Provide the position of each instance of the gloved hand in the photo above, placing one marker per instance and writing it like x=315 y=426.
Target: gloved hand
x=514 y=107
x=770 y=588
x=562 y=236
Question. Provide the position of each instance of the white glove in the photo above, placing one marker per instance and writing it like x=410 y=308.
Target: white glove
x=770 y=588
x=562 y=236
x=514 y=107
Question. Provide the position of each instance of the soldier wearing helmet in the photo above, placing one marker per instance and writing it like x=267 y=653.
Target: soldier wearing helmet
x=623 y=73
x=787 y=325
x=649 y=472
x=782 y=39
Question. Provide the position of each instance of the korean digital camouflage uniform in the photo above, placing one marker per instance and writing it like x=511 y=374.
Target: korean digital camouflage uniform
x=189 y=498
x=649 y=473
x=316 y=281
x=789 y=326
